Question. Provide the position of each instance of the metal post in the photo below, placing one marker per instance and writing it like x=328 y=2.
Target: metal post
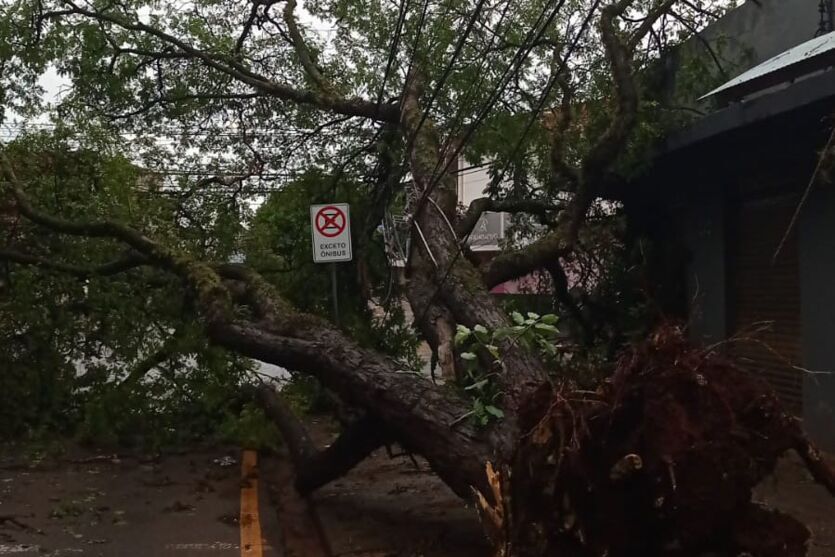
x=334 y=295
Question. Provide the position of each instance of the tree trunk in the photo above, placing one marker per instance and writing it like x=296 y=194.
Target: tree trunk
x=661 y=461
x=424 y=419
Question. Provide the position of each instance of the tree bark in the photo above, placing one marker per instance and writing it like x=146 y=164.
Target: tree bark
x=315 y=468
x=423 y=418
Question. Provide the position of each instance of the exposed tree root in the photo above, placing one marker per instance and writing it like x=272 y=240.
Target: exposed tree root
x=661 y=460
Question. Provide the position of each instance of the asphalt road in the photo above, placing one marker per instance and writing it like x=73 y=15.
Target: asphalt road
x=117 y=506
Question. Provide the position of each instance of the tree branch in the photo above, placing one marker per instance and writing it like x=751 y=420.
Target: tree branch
x=482 y=205
x=293 y=432
x=349 y=107
x=654 y=14
x=564 y=297
x=267 y=304
x=602 y=155
x=153 y=360
x=315 y=468
x=199 y=276
x=595 y=171
x=417 y=413
x=163 y=100
x=250 y=21
x=130 y=261
x=303 y=51
x=512 y=264
x=705 y=43
x=434 y=321
x=558 y=126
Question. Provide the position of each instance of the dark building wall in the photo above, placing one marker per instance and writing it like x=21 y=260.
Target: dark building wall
x=704 y=233
x=700 y=188
x=760 y=149
x=704 y=225
x=817 y=287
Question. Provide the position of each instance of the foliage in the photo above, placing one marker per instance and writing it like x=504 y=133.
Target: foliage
x=68 y=345
x=67 y=352
x=278 y=244
x=304 y=395
x=482 y=358
x=210 y=165
x=251 y=429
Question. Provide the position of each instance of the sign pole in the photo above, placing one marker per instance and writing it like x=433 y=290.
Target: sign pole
x=335 y=298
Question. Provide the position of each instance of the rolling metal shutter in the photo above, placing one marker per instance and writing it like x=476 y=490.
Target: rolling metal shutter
x=765 y=295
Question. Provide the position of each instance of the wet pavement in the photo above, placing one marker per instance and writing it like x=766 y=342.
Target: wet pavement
x=101 y=505
x=793 y=491
x=117 y=506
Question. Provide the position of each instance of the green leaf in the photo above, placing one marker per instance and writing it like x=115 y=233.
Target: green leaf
x=550 y=319
x=461 y=335
x=532 y=315
x=480 y=329
x=518 y=318
x=494 y=350
x=493 y=411
x=546 y=327
x=477 y=386
x=469 y=356
x=548 y=348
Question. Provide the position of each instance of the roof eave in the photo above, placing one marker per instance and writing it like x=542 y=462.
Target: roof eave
x=742 y=114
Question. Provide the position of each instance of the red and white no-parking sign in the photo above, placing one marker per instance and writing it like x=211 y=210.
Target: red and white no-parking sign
x=331 y=225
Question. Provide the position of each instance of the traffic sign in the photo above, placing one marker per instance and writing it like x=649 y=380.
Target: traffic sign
x=331 y=225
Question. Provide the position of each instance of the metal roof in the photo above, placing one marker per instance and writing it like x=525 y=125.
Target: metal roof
x=795 y=56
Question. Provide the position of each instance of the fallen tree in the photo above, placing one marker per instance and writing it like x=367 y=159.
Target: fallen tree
x=660 y=460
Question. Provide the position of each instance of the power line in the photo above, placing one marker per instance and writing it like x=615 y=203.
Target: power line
x=395 y=42
x=445 y=75
x=518 y=58
x=516 y=62
x=549 y=86
x=13 y=128
x=463 y=242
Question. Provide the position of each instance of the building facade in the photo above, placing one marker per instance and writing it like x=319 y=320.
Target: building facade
x=745 y=195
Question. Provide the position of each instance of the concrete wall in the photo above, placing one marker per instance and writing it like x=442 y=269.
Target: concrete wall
x=817 y=306
x=743 y=38
x=765 y=28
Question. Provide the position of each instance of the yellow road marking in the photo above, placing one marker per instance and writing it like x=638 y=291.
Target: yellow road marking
x=251 y=543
